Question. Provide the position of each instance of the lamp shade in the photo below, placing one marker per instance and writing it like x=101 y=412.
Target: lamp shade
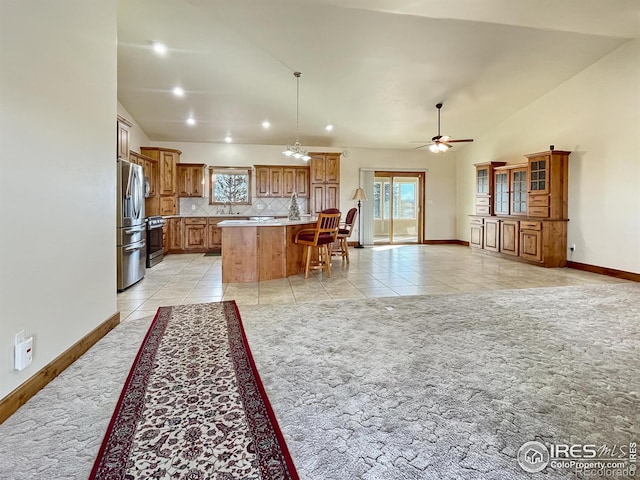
x=359 y=195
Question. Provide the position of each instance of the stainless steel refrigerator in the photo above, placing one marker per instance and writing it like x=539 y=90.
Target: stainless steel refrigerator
x=130 y=242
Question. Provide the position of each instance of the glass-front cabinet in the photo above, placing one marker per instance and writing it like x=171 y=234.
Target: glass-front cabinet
x=521 y=209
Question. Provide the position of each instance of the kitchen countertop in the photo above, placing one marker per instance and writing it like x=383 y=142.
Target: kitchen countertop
x=277 y=222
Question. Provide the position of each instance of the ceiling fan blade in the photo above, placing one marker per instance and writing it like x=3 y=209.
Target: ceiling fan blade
x=420 y=141
x=464 y=140
x=422 y=146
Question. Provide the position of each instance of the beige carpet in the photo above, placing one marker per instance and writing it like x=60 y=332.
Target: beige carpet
x=429 y=387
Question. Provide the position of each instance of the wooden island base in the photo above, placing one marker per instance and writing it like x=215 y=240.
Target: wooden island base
x=253 y=252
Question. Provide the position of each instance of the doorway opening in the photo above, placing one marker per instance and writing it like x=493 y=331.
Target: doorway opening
x=398 y=200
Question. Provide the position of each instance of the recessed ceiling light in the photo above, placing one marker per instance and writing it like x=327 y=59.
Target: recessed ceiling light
x=160 y=48
x=191 y=121
x=228 y=139
x=178 y=91
x=266 y=124
x=329 y=127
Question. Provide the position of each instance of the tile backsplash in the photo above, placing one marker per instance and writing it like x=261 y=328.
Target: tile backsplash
x=199 y=207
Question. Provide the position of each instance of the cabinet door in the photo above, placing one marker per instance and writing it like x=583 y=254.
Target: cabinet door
x=317 y=169
x=214 y=235
x=332 y=168
x=123 y=140
x=491 y=234
x=501 y=193
x=183 y=181
x=317 y=198
x=167 y=173
x=276 y=188
x=331 y=196
x=302 y=182
x=175 y=234
x=195 y=237
x=539 y=174
x=518 y=191
x=167 y=206
x=289 y=181
x=531 y=245
x=197 y=181
x=151 y=172
x=509 y=237
x=482 y=180
x=262 y=181
x=165 y=238
x=476 y=237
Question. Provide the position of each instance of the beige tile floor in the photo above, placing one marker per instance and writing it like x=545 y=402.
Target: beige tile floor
x=373 y=272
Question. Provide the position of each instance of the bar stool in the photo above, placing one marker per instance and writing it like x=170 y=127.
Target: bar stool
x=344 y=232
x=321 y=238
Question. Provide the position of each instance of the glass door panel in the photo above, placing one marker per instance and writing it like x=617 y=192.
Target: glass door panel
x=397 y=207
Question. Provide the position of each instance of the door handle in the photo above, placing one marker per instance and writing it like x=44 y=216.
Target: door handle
x=135 y=248
x=134 y=230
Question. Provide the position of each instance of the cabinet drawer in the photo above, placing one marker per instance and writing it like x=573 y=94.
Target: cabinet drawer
x=483 y=201
x=476 y=221
x=483 y=209
x=195 y=221
x=530 y=225
x=542 y=212
x=538 y=200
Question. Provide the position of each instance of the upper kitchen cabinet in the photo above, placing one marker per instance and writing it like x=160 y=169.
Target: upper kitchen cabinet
x=281 y=181
x=485 y=178
x=190 y=179
x=167 y=160
x=325 y=167
x=325 y=181
x=123 y=131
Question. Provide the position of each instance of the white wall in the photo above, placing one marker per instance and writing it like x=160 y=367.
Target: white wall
x=57 y=175
x=441 y=175
x=596 y=115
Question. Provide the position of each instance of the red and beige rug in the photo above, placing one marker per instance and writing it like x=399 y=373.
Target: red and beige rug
x=193 y=405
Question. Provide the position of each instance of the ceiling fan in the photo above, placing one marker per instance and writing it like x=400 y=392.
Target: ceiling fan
x=441 y=143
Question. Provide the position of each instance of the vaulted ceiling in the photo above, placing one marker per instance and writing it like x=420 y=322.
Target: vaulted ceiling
x=374 y=69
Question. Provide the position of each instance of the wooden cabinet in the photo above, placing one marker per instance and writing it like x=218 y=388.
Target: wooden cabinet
x=324 y=196
x=175 y=233
x=190 y=179
x=167 y=159
x=548 y=176
x=485 y=178
x=476 y=237
x=165 y=238
x=509 y=236
x=195 y=233
x=214 y=235
x=122 y=135
x=281 y=181
x=528 y=205
x=325 y=182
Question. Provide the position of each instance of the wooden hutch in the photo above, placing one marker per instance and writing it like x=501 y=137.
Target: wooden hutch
x=521 y=210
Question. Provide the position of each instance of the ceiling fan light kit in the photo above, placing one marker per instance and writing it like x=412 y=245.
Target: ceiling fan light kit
x=296 y=150
x=441 y=143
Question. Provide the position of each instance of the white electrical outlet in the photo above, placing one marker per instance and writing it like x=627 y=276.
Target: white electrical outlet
x=572 y=247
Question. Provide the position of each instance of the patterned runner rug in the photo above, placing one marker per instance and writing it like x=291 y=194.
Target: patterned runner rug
x=193 y=405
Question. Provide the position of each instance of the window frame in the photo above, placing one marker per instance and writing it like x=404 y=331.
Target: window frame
x=213 y=170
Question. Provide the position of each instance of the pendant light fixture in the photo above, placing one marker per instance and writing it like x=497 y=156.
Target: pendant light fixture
x=296 y=150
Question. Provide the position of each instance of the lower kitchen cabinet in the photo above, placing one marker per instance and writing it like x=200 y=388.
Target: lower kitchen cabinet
x=492 y=234
x=195 y=233
x=214 y=238
x=175 y=234
x=476 y=237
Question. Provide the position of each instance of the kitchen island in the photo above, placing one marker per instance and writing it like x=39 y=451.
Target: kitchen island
x=254 y=250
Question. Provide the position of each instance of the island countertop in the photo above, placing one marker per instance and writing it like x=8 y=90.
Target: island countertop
x=277 y=222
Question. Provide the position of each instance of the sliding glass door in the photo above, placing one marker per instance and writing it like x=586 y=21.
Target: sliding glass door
x=398 y=199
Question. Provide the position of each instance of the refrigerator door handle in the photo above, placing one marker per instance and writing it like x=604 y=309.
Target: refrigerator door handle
x=134 y=230
x=135 y=248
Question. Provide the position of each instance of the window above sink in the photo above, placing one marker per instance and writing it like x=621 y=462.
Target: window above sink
x=229 y=186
